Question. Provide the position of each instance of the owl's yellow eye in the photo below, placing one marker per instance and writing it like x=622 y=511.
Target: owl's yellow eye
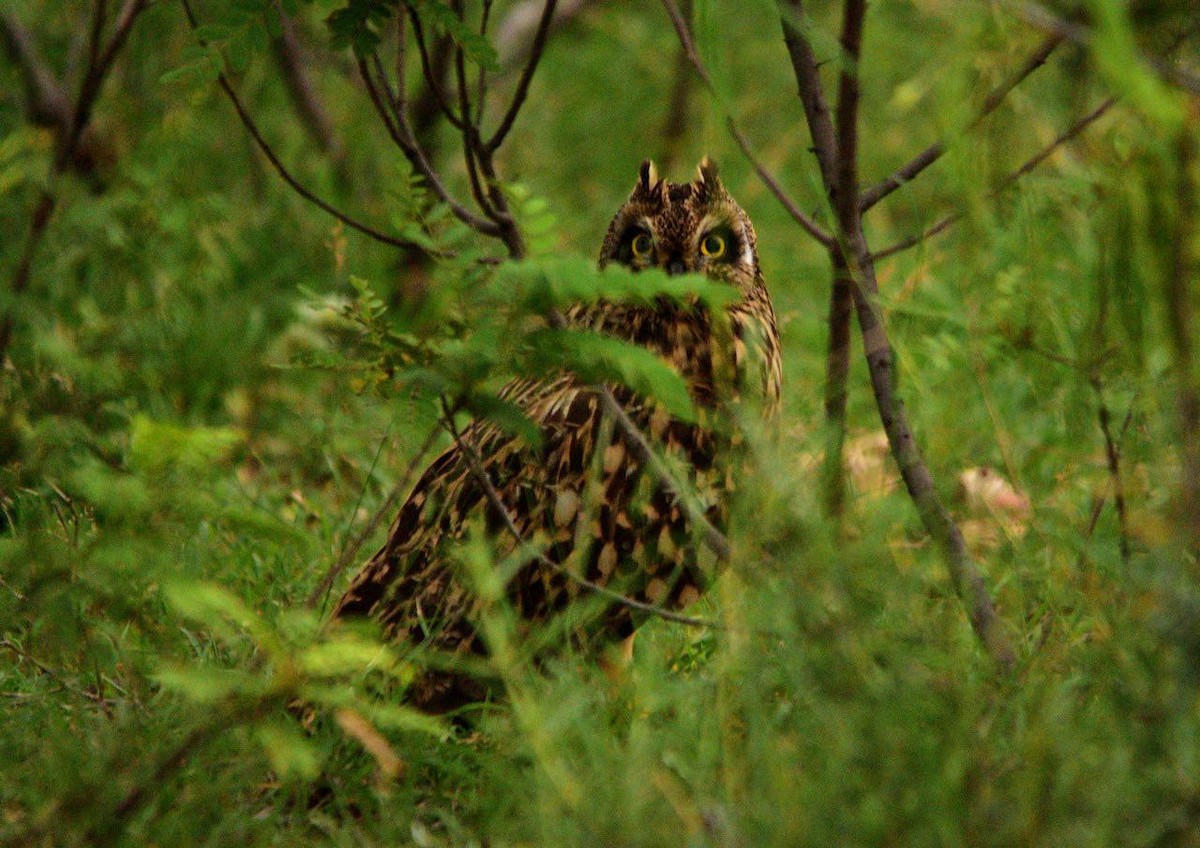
x=641 y=246
x=713 y=246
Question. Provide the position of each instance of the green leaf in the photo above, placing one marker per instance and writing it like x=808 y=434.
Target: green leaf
x=156 y=445
x=352 y=657
x=398 y=717
x=475 y=46
x=597 y=358
x=507 y=416
x=217 y=609
x=206 y=685
x=290 y=753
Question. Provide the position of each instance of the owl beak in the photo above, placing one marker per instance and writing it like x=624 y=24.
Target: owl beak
x=675 y=267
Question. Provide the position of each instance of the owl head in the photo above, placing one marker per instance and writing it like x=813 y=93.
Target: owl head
x=684 y=227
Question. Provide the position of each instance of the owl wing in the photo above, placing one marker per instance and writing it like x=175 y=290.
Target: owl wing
x=582 y=497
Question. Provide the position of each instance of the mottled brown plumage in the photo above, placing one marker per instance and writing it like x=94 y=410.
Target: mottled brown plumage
x=583 y=497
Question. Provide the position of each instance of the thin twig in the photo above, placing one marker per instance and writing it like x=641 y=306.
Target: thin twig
x=481 y=476
x=931 y=154
x=535 y=56
x=401 y=132
x=432 y=80
x=351 y=549
x=1029 y=165
x=806 y=221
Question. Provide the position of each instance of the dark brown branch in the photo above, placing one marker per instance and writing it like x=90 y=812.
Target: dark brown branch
x=837 y=372
x=479 y=472
x=535 y=56
x=812 y=95
x=931 y=154
x=852 y=245
x=1030 y=164
x=846 y=197
x=1112 y=454
x=387 y=508
x=688 y=46
x=841 y=295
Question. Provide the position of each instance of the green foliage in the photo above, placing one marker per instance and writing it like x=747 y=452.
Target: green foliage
x=213 y=385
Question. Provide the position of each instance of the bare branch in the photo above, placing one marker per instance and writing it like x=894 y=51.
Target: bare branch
x=812 y=95
x=535 y=56
x=493 y=497
x=688 y=46
x=1038 y=158
x=931 y=154
x=854 y=251
x=846 y=196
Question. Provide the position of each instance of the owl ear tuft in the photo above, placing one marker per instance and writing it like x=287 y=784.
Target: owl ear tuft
x=707 y=169
x=649 y=176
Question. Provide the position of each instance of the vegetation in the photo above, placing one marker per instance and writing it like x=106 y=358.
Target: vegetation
x=249 y=275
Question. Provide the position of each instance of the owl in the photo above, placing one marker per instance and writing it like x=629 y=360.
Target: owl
x=583 y=497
